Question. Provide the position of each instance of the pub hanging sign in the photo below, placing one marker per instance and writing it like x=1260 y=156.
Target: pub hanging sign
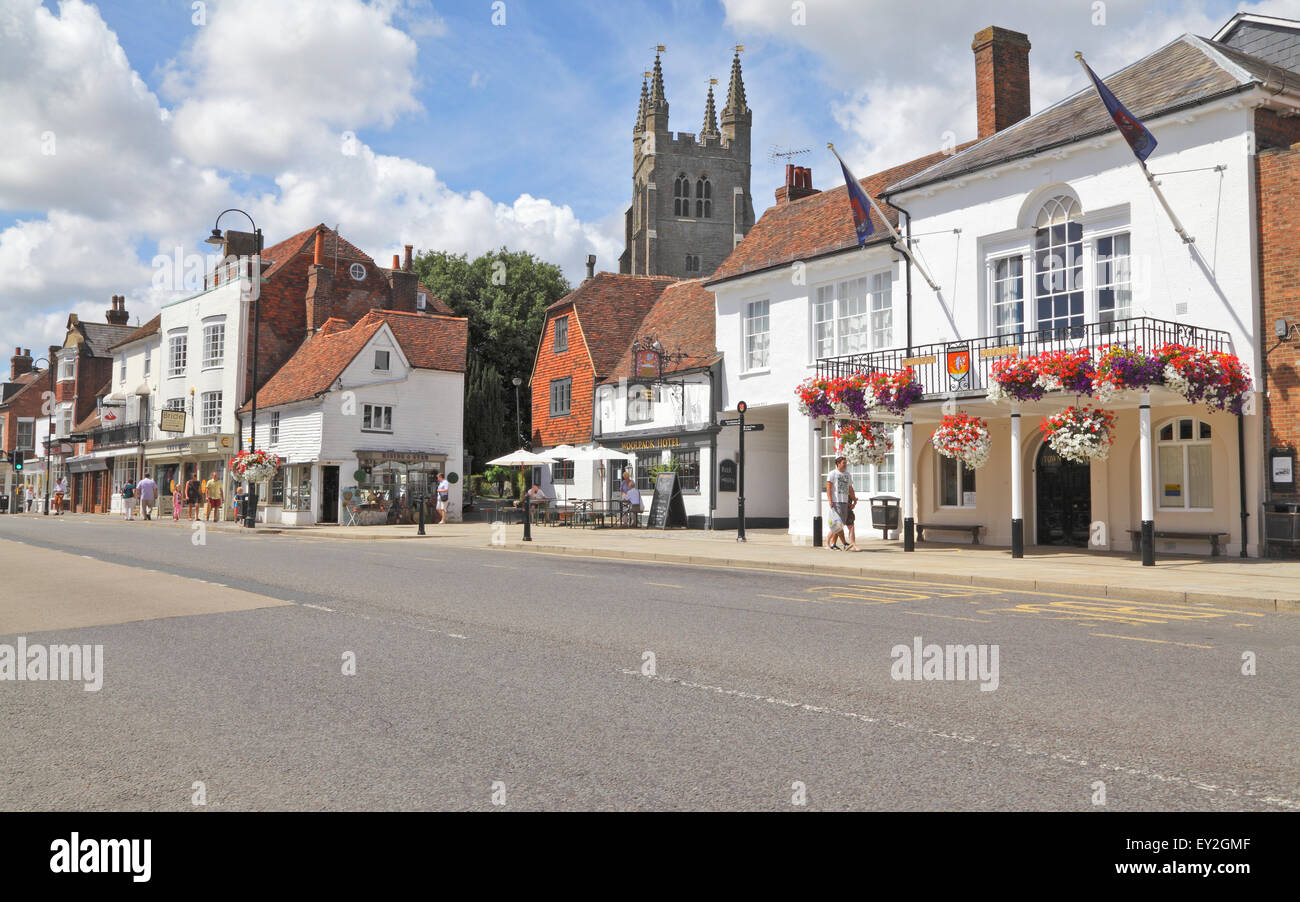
x=646 y=363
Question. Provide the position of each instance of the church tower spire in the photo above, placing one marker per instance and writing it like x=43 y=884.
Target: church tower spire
x=640 y=114
x=710 y=128
x=736 y=105
x=657 y=112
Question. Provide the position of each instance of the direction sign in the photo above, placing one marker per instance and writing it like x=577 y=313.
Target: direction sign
x=734 y=421
x=754 y=427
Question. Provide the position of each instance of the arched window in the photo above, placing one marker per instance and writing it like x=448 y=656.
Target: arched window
x=1058 y=267
x=1185 y=456
x=703 y=198
x=682 y=196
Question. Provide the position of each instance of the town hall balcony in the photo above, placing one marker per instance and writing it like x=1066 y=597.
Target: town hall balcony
x=964 y=367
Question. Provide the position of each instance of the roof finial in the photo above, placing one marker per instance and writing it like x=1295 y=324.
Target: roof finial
x=645 y=99
x=657 y=97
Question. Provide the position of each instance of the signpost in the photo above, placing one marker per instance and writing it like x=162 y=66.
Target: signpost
x=741 y=407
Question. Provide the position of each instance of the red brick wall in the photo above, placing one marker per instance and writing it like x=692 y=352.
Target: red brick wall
x=1272 y=131
x=1278 y=174
x=574 y=429
x=284 y=309
x=28 y=404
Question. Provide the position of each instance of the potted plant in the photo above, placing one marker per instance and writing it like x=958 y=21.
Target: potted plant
x=964 y=438
x=1014 y=379
x=1081 y=434
x=864 y=441
x=850 y=396
x=255 y=466
x=815 y=399
x=1214 y=377
x=896 y=391
x=1121 y=369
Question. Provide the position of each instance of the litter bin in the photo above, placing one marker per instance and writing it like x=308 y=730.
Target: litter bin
x=1282 y=524
x=884 y=514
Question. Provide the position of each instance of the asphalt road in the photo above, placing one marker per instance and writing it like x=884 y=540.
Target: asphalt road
x=489 y=675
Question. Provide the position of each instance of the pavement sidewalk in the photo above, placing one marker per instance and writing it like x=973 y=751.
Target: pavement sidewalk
x=1248 y=583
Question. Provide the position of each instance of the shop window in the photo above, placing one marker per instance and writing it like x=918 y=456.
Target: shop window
x=275 y=491
x=1185 y=458
x=956 y=484
x=297 y=488
x=688 y=471
x=870 y=480
x=645 y=480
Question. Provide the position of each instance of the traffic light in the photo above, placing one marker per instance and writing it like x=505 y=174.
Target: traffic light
x=18 y=459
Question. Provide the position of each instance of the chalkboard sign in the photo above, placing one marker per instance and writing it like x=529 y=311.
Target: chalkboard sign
x=727 y=476
x=667 y=509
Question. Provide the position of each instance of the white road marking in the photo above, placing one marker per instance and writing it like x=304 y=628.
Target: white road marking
x=1010 y=745
x=319 y=607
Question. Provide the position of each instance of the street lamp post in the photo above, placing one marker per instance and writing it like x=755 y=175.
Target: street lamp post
x=519 y=431
x=255 y=279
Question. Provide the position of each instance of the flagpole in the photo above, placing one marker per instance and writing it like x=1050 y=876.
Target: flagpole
x=1160 y=195
x=898 y=239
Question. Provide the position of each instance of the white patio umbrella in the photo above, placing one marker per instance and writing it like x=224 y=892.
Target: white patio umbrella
x=521 y=458
x=565 y=452
x=600 y=454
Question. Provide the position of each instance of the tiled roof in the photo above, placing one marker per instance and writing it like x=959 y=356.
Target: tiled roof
x=1186 y=72
x=25 y=381
x=682 y=320
x=610 y=308
x=815 y=225
x=100 y=337
x=149 y=328
x=335 y=245
x=429 y=342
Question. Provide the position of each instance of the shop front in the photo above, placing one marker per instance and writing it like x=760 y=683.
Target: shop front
x=91 y=483
x=690 y=454
x=388 y=484
x=173 y=462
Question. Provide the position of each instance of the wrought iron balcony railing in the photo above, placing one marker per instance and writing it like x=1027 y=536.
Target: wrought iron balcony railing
x=940 y=367
x=108 y=436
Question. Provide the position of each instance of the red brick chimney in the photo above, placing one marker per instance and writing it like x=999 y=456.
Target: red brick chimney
x=117 y=315
x=1001 y=78
x=798 y=183
x=407 y=264
x=402 y=285
x=320 y=287
x=19 y=364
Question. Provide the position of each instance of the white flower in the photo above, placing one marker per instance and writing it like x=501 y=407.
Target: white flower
x=1048 y=382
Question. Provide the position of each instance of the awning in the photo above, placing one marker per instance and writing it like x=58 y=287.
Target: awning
x=86 y=463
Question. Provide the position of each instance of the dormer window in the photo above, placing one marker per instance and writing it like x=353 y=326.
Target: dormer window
x=422 y=301
x=67 y=369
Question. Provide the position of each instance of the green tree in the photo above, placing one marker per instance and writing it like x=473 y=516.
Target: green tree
x=485 y=412
x=504 y=294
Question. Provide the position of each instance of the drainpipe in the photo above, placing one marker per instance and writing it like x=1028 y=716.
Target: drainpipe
x=1241 y=476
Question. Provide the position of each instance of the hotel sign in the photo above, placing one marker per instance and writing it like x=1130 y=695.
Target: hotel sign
x=650 y=444
x=172 y=421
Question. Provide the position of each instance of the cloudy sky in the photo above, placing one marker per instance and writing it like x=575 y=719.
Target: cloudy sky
x=129 y=124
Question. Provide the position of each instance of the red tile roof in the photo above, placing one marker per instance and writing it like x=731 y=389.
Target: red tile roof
x=610 y=307
x=335 y=244
x=429 y=342
x=816 y=225
x=682 y=320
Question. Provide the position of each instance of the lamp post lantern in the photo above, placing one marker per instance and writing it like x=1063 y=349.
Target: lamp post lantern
x=255 y=278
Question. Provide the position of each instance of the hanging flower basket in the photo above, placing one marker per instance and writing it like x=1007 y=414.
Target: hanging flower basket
x=864 y=441
x=1070 y=371
x=896 y=391
x=965 y=438
x=1216 y=378
x=255 y=466
x=1080 y=434
x=850 y=396
x=1123 y=369
x=1014 y=379
x=814 y=399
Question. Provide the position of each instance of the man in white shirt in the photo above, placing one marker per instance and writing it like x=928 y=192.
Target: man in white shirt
x=444 y=496
x=842 y=498
x=147 y=489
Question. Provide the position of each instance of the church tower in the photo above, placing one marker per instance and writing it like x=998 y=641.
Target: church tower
x=691 y=203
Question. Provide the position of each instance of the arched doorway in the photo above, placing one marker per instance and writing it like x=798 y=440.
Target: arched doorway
x=1064 y=499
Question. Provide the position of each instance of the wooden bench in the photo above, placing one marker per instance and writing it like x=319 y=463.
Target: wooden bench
x=1136 y=535
x=939 y=527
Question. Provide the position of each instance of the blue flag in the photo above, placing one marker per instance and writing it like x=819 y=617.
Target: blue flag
x=860 y=204
x=1134 y=132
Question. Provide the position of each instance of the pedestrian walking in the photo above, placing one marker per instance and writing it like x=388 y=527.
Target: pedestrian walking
x=444 y=496
x=28 y=497
x=842 y=498
x=212 y=490
x=193 y=495
x=128 y=498
x=147 y=489
x=60 y=489
x=178 y=497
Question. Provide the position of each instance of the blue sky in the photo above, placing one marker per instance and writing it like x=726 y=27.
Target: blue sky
x=469 y=135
